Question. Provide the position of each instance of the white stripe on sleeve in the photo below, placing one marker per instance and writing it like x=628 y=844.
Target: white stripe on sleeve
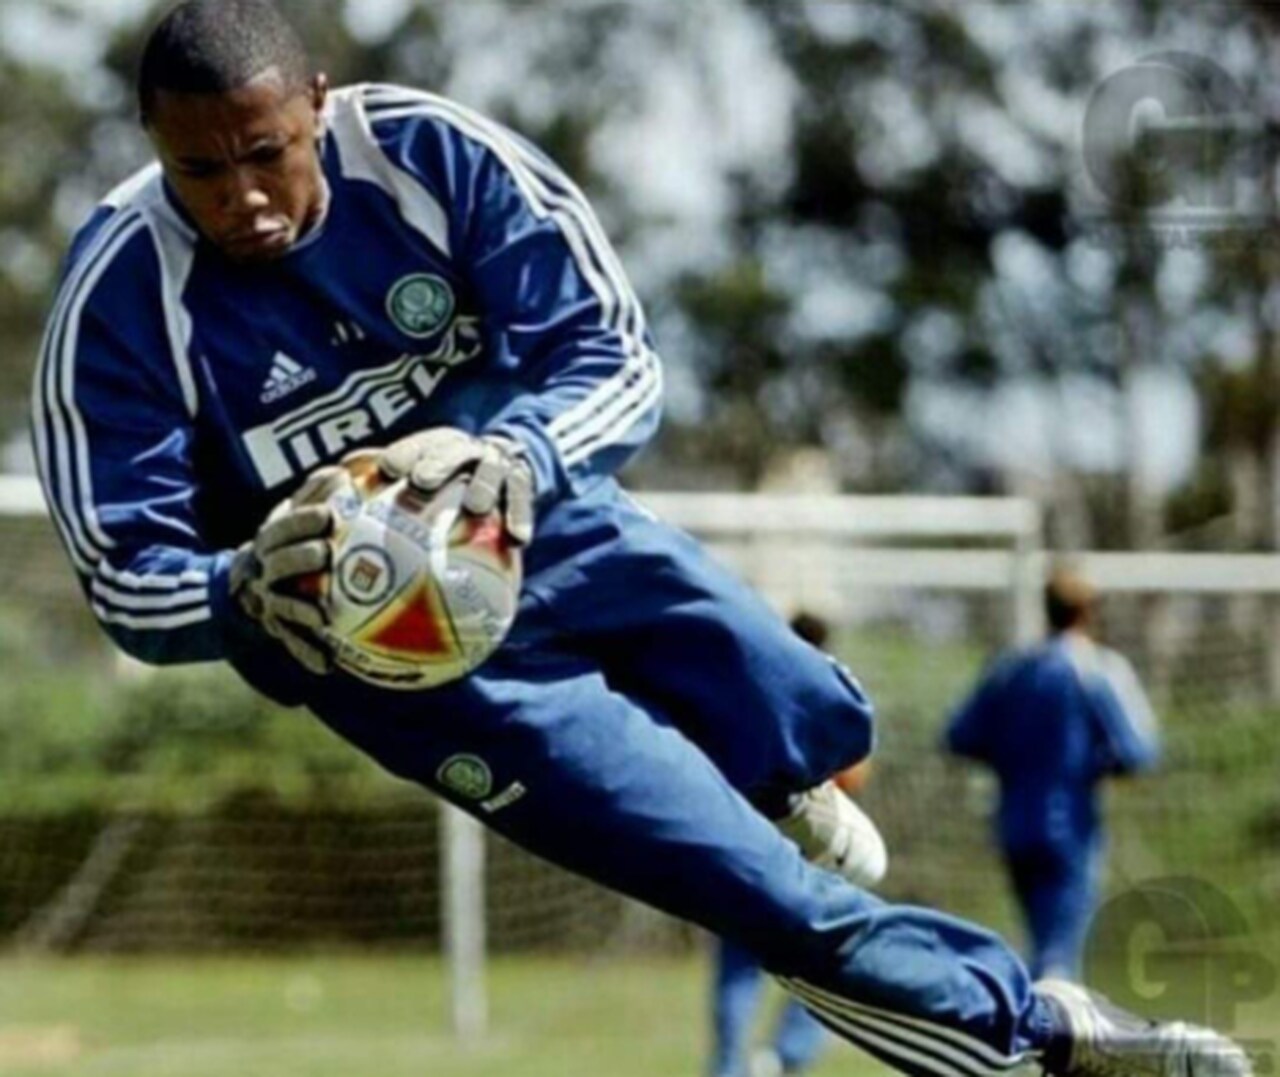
x=966 y=1052
x=610 y=409
x=57 y=450
x=63 y=459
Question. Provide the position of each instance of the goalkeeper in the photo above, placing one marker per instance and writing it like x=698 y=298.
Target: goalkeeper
x=307 y=272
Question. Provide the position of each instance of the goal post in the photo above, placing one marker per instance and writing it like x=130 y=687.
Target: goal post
x=21 y=496
x=462 y=850
x=980 y=544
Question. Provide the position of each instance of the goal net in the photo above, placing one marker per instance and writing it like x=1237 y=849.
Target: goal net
x=924 y=593
x=175 y=811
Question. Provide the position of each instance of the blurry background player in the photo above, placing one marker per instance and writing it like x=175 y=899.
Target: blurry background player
x=1052 y=721
x=738 y=985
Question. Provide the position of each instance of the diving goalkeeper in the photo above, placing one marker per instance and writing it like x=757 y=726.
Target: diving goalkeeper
x=308 y=271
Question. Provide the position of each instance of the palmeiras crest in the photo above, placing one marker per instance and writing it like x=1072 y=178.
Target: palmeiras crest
x=466 y=775
x=421 y=305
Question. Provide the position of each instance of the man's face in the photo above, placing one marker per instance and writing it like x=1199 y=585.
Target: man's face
x=244 y=163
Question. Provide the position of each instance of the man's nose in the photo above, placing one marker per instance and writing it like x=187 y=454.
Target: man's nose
x=244 y=191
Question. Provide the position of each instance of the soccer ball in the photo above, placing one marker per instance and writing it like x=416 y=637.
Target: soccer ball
x=420 y=593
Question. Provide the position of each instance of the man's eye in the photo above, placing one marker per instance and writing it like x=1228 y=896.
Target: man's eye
x=266 y=155
x=197 y=171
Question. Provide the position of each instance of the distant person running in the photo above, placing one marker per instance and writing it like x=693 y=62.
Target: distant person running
x=1052 y=721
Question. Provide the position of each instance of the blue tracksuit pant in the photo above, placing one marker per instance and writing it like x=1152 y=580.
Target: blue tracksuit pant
x=1057 y=888
x=645 y=714
x=797 y=1040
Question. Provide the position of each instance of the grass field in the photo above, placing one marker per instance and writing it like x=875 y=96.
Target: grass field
x=354 y=1016
x=361 y=1016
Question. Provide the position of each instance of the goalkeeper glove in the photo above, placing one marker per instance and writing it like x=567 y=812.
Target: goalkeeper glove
x=500 y=475
x=293 y=543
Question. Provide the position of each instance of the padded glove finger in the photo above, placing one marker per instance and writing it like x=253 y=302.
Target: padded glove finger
x=305 y=649
x=519 y=504
x=488 y=481
x=297 y=559
x=293 y=525
x=321 y=484
x=434 y=470
x=447 y=449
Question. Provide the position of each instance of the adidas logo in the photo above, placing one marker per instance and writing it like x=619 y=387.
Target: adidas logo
x=287 y=376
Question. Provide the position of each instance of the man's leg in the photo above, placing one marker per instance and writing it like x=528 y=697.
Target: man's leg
x=540 y=748
x=799 y=1039
x=1057 y=896
x=1026 y=873
x=677 y=632
x=1074 y=898
x=737 y=986
x=537 y=745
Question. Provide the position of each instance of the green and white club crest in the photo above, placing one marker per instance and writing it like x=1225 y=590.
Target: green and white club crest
x=467 y=775
x=420 y=304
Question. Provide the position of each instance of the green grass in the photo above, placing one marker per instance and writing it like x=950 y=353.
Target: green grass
x=354 y=1016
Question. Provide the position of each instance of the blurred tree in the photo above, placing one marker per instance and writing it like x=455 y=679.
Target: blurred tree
x=1234 y=496
x=935 y=191
x=909 y=254
x=878 y=254
x=43 y=119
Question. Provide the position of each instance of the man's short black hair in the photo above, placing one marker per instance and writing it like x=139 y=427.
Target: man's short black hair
x=1069 y=600
x=214 y=46
x=811 y=628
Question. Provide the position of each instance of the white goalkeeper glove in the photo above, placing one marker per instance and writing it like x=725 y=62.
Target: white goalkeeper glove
x=293 y=543
x=501 y=478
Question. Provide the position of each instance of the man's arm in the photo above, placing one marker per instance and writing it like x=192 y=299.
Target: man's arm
x=113 y=427
x=1128 y=733
x=549 y=284
x=964 y=735
x=973 y=723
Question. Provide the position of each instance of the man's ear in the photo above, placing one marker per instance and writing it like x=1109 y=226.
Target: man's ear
x=319 y=96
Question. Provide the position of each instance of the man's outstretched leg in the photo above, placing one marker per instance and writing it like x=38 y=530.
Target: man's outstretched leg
x=1104 y=1040
x=584 y=777
x=834 y=833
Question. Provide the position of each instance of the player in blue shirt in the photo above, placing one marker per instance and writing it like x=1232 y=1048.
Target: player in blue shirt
x=1052 y=722
x=308 y=271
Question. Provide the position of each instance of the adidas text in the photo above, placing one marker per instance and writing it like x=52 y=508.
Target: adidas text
x=287 y=376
